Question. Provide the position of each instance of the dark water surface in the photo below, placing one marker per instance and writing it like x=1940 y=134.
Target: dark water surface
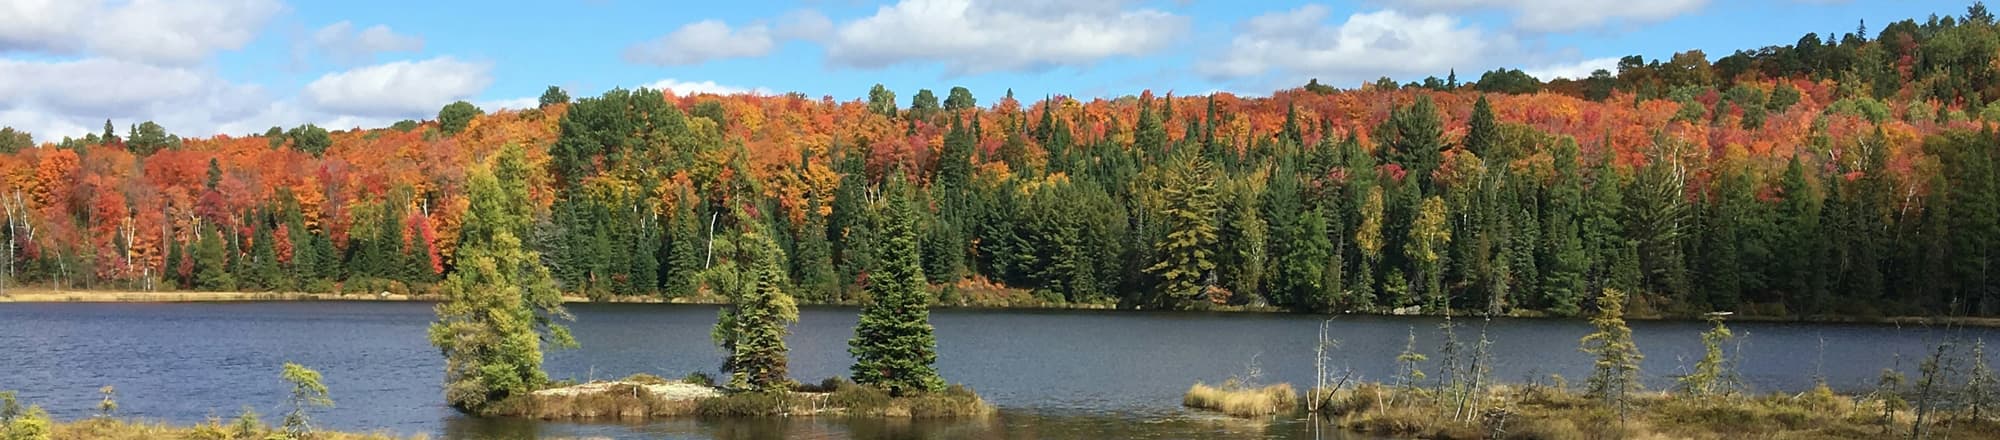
x=1053 y=374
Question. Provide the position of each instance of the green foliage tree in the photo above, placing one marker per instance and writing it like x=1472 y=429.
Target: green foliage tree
x=1712 y=374
x=882 y=101
x=753 y=328
x=308 y=392
x=1429 y=234
x=310 y=139
x=552 y=96
x=499 y=305
x=454 y=117
x=893 y=345
x=960 y=98
x=211 y=262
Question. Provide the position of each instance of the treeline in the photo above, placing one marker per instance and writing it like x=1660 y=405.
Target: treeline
x=1778 y=182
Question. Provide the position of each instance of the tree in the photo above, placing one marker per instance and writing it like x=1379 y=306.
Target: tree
x=1712 y=375
x=307 y=393
x=310 y=139
x=498 y=306
x=454 y=117
x=553 y=96
x=893 y=345
x=923 y=105
x=752 y=330
x=1429 y=234
x=212 y=263
x=960 y=99
x=1482 y=132
x=882 y=101
x=1187 y=250
x=12 y=140
x=1616 y=372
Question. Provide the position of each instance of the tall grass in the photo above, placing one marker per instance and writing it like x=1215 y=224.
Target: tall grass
x=1242 y=401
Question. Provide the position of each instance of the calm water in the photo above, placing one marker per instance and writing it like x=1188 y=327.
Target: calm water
x=1053 y=374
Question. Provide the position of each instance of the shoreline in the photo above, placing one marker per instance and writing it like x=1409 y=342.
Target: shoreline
x=46 y=295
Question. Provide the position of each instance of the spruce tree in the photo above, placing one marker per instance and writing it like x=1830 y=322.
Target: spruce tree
x=211 y=270
x=893 y=345
x=499 y=305
x=752 y=329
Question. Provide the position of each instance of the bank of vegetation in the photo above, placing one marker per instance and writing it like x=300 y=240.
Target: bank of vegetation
x=1953 y=395
x=1841 y=175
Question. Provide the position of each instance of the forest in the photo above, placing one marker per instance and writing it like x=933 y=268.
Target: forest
x=1846 y=175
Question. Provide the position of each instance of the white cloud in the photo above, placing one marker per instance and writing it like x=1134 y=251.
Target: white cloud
x=521 y=103
x=1575 y=70
x=42 y=25
x=977 y=36
x=344 y=44
x=1299 y=43
x=155 y=31
x=70 y=98
x=691 y=88
x=399 y=89
x=1563 y=15
x=703 y=41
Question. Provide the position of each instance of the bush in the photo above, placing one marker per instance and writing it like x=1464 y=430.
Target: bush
x=1242 y=402
x=699 y=378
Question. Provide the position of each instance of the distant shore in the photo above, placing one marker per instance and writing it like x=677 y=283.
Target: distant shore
x=47 y=295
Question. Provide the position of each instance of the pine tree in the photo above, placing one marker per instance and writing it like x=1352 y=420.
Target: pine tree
x=753 y=328
x=211 y=270
x=812 y=264
x=1616 y=372
x=893 y=345
x=681 y=256
x=1187 y=250
x=499 y=306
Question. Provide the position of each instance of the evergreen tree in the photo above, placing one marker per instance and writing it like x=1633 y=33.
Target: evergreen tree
x=211 y=270
x=499 y=306
x=1616 y=374
x=1244 y=237
x=812 y=263
x=681 y=255
x=1187 y=250
x=893 y=346
x=753 y=328
x=1482 y=131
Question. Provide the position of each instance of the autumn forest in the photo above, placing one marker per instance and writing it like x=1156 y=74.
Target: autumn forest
x=1848 y=175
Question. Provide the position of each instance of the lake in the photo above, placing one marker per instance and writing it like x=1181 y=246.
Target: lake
x=1053 y=374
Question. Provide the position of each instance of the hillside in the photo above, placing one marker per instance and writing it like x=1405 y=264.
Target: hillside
x=1848 y=176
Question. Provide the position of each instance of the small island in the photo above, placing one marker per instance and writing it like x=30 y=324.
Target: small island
x=501 y=305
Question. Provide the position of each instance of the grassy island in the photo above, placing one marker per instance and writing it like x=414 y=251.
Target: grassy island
x=646 y=396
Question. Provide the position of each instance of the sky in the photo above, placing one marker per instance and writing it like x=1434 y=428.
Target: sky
x=204 y=67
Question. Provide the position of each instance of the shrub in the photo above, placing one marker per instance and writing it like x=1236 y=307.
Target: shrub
x=1242 y=402
x=699 y=378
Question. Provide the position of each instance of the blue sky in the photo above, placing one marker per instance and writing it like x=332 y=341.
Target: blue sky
x=237 y=66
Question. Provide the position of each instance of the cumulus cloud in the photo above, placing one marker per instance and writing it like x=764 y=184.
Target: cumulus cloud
x=1562 y=15
x=1575 y=70
x=155 y=31
x=804 y=24
x=70 y=98
x=978 y=36
x=344 y=44
x=1301 y=43
x=399 y=89
x=701 y=42
x=683 y=88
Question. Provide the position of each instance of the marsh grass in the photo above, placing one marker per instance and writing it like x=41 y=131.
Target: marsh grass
x=1242 y=401
x=629 y=399
x=214 y=429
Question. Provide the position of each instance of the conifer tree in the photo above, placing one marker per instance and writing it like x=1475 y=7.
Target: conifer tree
x=893 y=345
x=1188 y=248
x=499 y=306
x=1616 y=372
x=211 y=270
x=752 y=329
